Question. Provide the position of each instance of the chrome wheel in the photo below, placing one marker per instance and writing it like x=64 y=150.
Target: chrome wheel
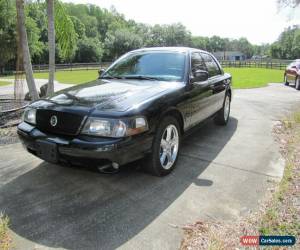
x=226 y=108
x=169 y=147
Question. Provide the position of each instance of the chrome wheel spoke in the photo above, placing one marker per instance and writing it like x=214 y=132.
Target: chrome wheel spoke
x=163 y=158
x=169 y=133
x=169 y=157
x=174 y=142
x=169 y=147
x=163 y=143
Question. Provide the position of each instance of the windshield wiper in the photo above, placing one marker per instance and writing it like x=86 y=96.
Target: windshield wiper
x=111 y=77
x=140 y=77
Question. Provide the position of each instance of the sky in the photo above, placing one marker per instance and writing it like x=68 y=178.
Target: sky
x=257 y=20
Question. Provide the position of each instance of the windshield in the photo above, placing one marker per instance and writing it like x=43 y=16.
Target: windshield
x=164 y=66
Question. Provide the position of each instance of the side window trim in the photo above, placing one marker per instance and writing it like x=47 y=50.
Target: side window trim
x=218 y=64
x=203 y=61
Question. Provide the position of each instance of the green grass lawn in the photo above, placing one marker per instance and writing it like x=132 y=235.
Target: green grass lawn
x=3 y=83
x=242 y=77
x=71 y=77
x=254 y=77
x=74 y=77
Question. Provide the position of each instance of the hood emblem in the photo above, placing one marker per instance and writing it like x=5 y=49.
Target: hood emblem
x=53 y=120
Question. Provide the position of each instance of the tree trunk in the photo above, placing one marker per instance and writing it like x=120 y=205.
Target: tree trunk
x=51 y=45
x=25 y=49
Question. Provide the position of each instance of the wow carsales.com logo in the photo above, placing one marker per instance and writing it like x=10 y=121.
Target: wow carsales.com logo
x=268 y=240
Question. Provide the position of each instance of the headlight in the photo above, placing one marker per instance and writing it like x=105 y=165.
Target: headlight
x=30 y=115
x=114 y=127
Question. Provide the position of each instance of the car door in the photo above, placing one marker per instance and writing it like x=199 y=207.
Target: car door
x=217 y=82
x=200 y=93
x=291 y=72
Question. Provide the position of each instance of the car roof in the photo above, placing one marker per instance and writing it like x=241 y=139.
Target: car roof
x=170 y=49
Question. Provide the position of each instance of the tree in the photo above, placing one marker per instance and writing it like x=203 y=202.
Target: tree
x=121 y=41
x=217 y=43
x=245 y=46
x=79 y=27
x=65 y=32
x=200 y=42
x=66 y=37
x=286 y=40
x=25 y=49
x=7 y=33
x=296 y=44
x=289 y=3
x=177 y=35
x=89 y=50
x=288 y=44
x=37 y=32
x=276 y=51
x=51 y=45
x=169 y=35
x=76 y=25
x=261 y=50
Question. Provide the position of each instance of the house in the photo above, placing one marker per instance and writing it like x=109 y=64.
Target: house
x=230 y=55
x=260 y=57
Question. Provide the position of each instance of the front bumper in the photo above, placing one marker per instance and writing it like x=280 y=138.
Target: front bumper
x=86 y=148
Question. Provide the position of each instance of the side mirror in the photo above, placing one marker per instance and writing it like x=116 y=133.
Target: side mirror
x=199 y=76
x=100 y=72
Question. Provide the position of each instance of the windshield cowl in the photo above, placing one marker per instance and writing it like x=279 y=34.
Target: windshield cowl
x=138 y=77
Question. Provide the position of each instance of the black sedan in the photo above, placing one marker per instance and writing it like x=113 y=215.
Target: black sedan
x=140 y=107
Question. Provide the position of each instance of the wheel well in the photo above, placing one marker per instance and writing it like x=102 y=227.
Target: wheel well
x=175 y=113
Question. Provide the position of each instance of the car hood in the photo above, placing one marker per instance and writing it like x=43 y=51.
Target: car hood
x=110 y=95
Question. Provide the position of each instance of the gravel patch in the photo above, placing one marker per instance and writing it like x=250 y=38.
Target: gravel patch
x=8 y=103
x=8 y=127
x=8 y=135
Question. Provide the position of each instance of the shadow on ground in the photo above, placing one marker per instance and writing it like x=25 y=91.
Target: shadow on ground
x=78 y=209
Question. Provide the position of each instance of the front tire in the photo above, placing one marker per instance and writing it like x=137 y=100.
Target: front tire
x=297 y=84
x=165 y=148
x=286 y=83
x=223 y=114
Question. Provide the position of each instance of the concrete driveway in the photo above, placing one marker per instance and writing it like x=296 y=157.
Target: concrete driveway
x=222 y=173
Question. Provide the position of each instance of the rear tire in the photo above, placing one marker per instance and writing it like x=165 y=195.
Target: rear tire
x=286 y=83
x=297 y=83
x=223 y=114
x=165 y=148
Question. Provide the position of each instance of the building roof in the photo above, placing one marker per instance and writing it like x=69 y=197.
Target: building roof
x=229 y=53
